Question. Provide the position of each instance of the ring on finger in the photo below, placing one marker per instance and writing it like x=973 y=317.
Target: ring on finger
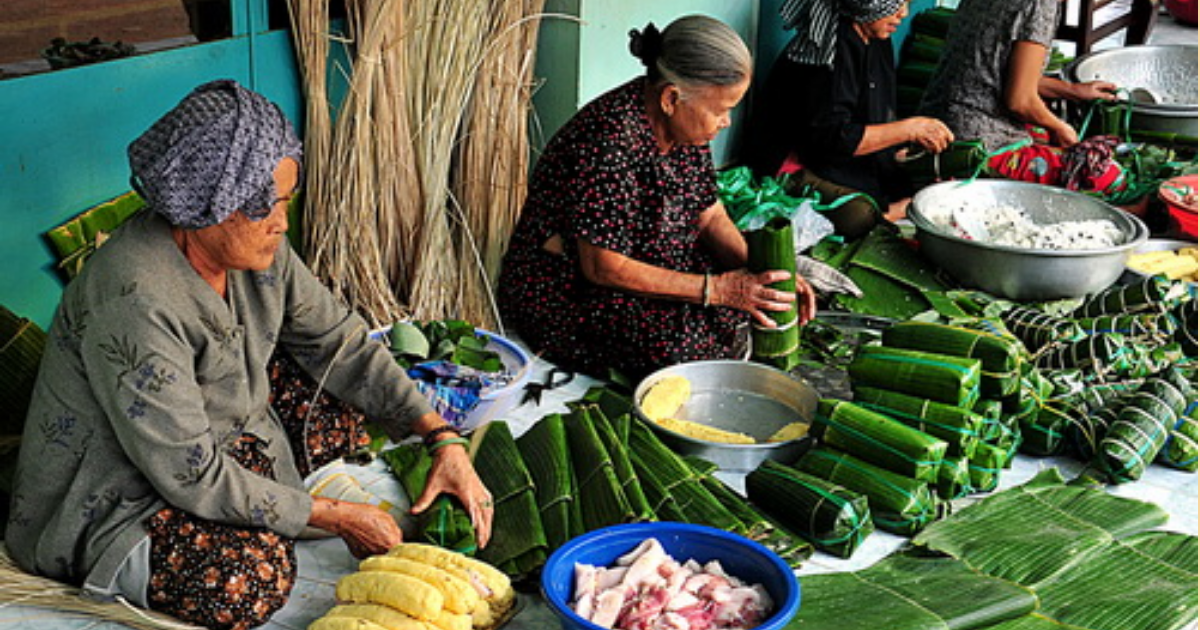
x=487 y=503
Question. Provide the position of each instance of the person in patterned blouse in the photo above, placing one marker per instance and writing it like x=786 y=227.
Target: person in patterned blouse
x=155 y=465
x=623 y=257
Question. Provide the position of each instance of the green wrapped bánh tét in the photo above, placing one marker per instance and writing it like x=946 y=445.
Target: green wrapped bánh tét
x=954 y=478
x=1000 y=358
x=522 y=549
x=880 y=440
x=1180 y=451
x=1101 y=355
x=958 y=427
x=900 y=505
x=445 y=523
x=985 y=467
x=768 y=248
x=610 y=436
x=668 y=478
x=1084 y=438
x=1140 y=430
x=1037 y=329
x=1147 y=294
x=546 y=453
x=1045 y=432
x=835 y=519
x=602 y=502
x=944 y=378
x=761 y=527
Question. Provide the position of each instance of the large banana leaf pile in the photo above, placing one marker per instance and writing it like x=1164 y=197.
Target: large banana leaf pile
x=1042 y=556
x=572 y=473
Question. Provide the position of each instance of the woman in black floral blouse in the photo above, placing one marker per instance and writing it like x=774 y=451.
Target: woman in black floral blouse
x=624 y=257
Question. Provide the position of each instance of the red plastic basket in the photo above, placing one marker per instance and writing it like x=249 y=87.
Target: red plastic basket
x=1180 y=196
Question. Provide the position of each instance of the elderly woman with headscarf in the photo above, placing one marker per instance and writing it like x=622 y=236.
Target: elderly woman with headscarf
x=153 y=466
x=828 y=109
x=624 y=258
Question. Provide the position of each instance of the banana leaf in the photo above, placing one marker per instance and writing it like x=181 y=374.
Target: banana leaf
x=22 y=343
x=1030 y=533
x=768 y=248
x=944 y=378
x=880 y=440
x=615 y=443
x=546 y=453
x=892 y=276
x=674 y=477
x=613 y=403
x=835 y=519
x=445 y=523
x=959 y=428
x=907 y=592
x=602 y=502
x=1157 y=589
x=521 y=547
x=900 y=505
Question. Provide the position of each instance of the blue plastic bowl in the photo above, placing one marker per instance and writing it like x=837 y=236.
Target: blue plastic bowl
x=741 y=557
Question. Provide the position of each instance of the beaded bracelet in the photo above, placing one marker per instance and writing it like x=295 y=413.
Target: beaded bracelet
x=454 y=440
x=432 y=436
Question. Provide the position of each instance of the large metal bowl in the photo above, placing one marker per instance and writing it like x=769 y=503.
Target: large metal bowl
x=742 y=396
x=1165 y=75
x=1012 y=272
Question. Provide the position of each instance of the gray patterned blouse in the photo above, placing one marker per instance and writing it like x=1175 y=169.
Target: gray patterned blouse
x=149 y=376
x=967 y=89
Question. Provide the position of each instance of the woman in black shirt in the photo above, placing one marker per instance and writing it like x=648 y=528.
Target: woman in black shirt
x=829 y=107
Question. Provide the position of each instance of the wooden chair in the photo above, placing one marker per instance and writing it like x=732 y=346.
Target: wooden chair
x=1078 y=22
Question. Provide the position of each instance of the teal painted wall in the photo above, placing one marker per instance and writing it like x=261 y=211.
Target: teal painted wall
x=586 y=53
x=64 y=135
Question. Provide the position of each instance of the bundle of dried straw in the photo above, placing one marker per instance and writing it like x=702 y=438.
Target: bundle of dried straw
x=412 y=194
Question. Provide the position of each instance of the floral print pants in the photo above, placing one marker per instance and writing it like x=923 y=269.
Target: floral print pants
x=229 y=577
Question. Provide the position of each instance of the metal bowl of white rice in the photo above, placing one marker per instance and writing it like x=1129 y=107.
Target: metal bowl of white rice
x=1160 y=82
x=1022 y=241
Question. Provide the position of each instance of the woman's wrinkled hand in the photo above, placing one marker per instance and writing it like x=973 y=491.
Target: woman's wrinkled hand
x=806 y=297
x=453 y=473
x=367 y=529
x=750 y=292
x=931 y=133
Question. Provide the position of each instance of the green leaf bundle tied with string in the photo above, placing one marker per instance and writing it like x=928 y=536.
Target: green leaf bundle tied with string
x=770 y=248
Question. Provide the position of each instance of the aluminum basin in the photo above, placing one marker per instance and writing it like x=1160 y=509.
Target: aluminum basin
x=1016 y=273
x=1165 y=74
x=742 y=396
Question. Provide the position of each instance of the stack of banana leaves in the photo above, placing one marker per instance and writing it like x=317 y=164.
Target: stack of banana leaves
x=893 y=276
x=1041 y=556
x=571 y=473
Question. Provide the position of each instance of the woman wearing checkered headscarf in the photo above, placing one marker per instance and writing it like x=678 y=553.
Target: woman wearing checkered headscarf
x=165 y=453
x=828 y=109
